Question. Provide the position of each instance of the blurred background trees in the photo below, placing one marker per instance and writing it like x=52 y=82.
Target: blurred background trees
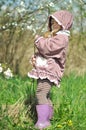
x=19 y=22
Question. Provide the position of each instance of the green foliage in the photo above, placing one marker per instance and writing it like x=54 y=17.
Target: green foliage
x=69 y=104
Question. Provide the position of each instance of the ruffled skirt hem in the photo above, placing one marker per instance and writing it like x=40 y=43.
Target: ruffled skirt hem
x=43 y=75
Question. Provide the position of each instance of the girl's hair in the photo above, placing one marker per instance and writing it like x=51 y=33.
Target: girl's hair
x=51 y=21
x=50 y=24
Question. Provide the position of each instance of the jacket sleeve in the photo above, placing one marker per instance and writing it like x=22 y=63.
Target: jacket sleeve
x=51 y=46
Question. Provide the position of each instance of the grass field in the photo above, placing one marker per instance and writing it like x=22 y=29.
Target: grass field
x=17 y=104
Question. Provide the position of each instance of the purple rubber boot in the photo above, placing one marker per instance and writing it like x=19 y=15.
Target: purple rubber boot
x=43 y=116
x=50 y=112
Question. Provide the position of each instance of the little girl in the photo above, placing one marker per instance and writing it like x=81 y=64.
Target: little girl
x=49 y=63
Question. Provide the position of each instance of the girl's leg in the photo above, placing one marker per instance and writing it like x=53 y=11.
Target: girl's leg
x=43 y=91
x=43 y=94
x=43 y=107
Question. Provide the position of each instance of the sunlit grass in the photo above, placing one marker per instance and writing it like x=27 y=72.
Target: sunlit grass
x=69 y=104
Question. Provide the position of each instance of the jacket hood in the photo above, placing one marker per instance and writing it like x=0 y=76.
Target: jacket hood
x=63 y=17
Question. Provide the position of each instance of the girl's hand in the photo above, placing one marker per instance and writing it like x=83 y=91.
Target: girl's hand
x=36 y=37
x=33 y=61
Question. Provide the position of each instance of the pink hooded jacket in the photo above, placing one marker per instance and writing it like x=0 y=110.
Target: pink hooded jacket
x=51 y=56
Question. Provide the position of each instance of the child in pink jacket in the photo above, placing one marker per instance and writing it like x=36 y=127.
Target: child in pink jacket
x=49 y=63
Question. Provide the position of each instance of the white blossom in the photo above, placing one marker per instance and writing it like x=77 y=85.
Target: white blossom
x=8 y=74
x=8 y=14
x=30 y=27
x=1 y=69
x=22 y=4
x=3 y=27
x=21 y=8
x=51 y=4
x=3 y=7
x=16 y=24
x=13 y=23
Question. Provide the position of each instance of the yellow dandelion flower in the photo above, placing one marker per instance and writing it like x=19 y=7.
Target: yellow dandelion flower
x=59 y=126
x=70 y=123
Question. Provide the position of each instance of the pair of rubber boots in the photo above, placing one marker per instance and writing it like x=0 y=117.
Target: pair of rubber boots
x=44 y=113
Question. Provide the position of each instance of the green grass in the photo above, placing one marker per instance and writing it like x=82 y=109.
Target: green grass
x=69 y=104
